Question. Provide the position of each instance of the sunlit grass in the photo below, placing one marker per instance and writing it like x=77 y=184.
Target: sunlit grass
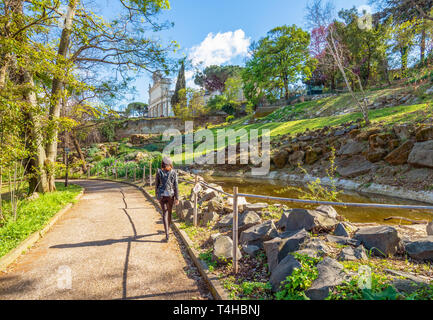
x=33 y=215
x=385 y=116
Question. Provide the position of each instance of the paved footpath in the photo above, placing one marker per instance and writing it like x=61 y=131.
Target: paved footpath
x=108 y=246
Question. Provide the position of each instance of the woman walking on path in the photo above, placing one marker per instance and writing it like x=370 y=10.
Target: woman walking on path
x=166 y=191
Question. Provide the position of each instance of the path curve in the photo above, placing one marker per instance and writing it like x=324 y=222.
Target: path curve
x=108 y=246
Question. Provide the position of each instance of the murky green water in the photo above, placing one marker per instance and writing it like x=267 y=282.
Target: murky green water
x=279 y=189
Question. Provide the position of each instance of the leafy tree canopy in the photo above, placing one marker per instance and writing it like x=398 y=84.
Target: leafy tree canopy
x=213 y=78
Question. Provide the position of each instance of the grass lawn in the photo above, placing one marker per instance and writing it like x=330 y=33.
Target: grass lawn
x=33 y=215
x=385 y=116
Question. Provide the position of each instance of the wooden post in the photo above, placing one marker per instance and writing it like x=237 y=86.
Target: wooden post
x=135 y=174
x=235 y=229
x=195 y=203
x=144 y=174
x=88 y=172
x=150 y=173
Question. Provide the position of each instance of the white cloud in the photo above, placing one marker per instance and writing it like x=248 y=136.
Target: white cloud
x=220 y=48
x=217 y=49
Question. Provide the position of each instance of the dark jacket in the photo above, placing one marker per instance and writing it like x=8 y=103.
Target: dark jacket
x=166 y=181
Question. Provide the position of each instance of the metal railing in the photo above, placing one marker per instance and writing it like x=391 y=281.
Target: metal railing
x=113 y=172
x=236 y=196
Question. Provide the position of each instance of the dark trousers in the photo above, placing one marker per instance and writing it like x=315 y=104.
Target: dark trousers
x=167 y=207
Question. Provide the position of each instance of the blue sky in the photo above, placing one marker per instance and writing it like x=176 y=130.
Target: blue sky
x=220 y=31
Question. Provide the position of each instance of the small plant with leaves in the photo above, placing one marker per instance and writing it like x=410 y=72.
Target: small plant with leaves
x=293 y=288
x=315 y=189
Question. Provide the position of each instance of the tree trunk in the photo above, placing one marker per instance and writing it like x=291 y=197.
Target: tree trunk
x=36 y=170
x=56 y=92
x=79 y=151
x=386 y=70
x=3 y=69
x=422 y=46
x=404 y=56
x=336 y=55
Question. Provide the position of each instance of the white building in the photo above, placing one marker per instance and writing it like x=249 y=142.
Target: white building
x=160 y=97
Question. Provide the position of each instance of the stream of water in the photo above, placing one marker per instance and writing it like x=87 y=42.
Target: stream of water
x=357 y=215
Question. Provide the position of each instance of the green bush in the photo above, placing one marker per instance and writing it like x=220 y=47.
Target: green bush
x=108 y=130
x=300 y=280
x=230 y=118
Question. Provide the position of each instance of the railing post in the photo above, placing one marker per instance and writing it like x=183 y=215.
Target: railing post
x=88 y=172
x=235 y=229
x=144 y=175
x=195 y=202
x=150 y=173
x=135 y=174
x=126 y=173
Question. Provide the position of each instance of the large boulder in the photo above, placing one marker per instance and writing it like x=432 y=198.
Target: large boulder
x=317 y=245
x=351 y=147
x=284 y=269
x=424 y=134
x=278 y=248
x=223 y=248
x=429 y=229
x=215 y=206
x=250 y=249
x=421 y=249
x=256 y=235
x=306 y=219
x=225 y=221
x=353 y=167
x=331 y=274
x=207 y=195
x=344 y=241
x=312 y=155
x=402 y=131
x=280 y=159
x=249 y=219
x=179 y=209
x=352 y=254
x=328 y=210
x=209 y=217
x=297 y=158
x=422 y=154
x=375 y=155
x=187 y=205
x=341 y=231
x=400 y=155
x=256 y=207
x=382 y=240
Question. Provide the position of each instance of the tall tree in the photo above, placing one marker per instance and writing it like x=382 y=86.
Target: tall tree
x=43 y=75
x=320 y=15
x=278 y=60
x=213 y=78
x=180 y=84
x=367 y=46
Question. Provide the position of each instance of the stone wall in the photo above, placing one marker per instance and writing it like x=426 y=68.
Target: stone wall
x=159 y=125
